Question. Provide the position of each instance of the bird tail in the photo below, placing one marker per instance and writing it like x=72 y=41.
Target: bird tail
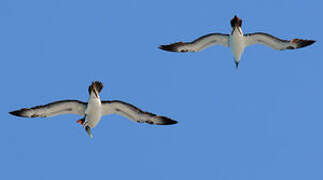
x=88 y=130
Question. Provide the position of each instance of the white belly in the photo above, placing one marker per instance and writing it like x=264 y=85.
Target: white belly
x=93 y=112
x=237 y=45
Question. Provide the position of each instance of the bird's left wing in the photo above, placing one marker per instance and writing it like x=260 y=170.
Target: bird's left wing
x=134 y=113
x=53 y=109
x=274 y=42
x=198 y=44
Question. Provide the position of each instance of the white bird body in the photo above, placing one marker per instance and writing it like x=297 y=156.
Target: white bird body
x=237 y=43
x=93 y=111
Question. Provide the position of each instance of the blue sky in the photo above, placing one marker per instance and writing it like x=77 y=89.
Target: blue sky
x=263 y=122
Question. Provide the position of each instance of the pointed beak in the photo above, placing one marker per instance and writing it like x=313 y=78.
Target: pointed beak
x=88 y=130
x=237 y=28
x=96 y=93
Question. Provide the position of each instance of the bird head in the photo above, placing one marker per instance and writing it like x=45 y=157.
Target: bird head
x=96 y=88
x=236 y=22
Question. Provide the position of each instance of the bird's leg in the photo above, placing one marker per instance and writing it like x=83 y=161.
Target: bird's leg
x=81 y=121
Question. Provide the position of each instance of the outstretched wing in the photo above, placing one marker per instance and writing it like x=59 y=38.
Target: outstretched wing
x=198 y=44
x=274 y=42
x=134 y=113
x=53 y=109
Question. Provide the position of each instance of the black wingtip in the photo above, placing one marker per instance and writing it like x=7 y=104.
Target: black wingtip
x=169 y=48
x=309 y=42
x=302 y=43
x=173 y=47
x=16 y=113
x=172 y=122
x=305 y=43
x=168 y=121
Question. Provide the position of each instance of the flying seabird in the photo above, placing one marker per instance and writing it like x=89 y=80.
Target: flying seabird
x=93 y=110
x=236 y=41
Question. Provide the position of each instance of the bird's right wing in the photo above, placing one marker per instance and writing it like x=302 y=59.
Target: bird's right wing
x=274 y=42
x=53 y=109
x=198 y=44
x=133 y=113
